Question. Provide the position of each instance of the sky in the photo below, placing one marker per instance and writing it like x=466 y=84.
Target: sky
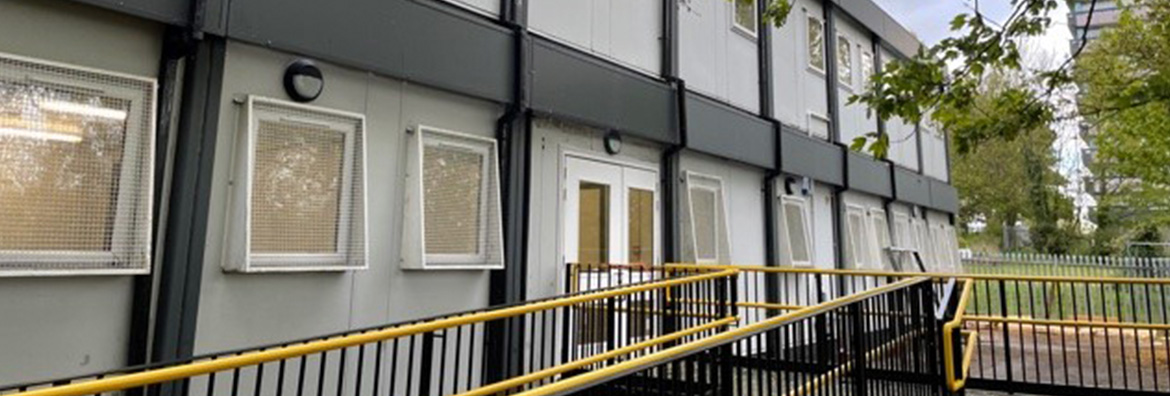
x=930 y=21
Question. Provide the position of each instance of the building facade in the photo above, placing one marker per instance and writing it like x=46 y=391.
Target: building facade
x=191 y=176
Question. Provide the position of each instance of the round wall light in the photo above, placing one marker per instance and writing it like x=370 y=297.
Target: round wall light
x=613 y=142
x=303 y=81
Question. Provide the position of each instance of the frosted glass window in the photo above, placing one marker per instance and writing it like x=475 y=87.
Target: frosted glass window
x=745 y=16
x=881 y=229
x=798 y=232
x=844 y=61
x=866 y=67
x=816 y=44
x=704 y=211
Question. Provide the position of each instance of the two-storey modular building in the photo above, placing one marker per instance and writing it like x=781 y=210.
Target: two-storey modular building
x=180 y=177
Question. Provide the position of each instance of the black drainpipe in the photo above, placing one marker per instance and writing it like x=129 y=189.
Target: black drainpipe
x=504 y=355
x=670 y=170
x=830 y=40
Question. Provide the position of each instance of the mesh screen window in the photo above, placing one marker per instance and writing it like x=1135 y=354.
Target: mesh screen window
x=460 y=200
x=306 y=187
x=76 y=170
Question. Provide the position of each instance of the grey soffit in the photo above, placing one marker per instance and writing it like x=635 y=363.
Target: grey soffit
x=814 y=158
x=173 y=12
x=577 y=86
x=867 y=175
x=870 y=15
x=911 y=187
x=428 y=44
x=716 y=128
x=943 y=196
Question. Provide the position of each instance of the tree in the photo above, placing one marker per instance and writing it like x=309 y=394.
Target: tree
x=1005 y=182
x=1125 y=80
x=926 y=83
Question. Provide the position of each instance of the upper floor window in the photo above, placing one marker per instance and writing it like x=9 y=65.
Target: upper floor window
x=844 y=61
x=76 y=169
x=866 y=67
x=816 y=44
x=744 y=17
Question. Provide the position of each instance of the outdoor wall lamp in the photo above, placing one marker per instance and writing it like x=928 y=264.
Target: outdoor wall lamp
x=303 y=81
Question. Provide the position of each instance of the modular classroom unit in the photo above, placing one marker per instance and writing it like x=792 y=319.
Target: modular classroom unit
x=181 y=177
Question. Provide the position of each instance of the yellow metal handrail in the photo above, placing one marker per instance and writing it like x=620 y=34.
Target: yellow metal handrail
x=601 y=357
x=192 y=369
x=937 y=275
x=650 y=360
x=948 y=333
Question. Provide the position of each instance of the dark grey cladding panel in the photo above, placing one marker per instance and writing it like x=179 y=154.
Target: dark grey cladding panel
x=173 y=12
x=718 y=129
x=943 y=196
x=870 y=15
x=869 y=176
x=425 y=43
x=814 y=158
x=911 y=187
x=577 y=86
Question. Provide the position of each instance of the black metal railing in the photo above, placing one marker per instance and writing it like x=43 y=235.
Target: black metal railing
x=884 y=341
x=444 y=355
x=1070 y=335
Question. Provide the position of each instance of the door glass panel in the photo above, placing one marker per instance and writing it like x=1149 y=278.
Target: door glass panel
x=703 y=209
x=641 y=226
x=593 y=226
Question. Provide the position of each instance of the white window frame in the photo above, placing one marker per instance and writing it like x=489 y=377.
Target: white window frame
x=415 y=235
x=818 y=117
x=124 y=211
x=750 y=32
x=844 y=70
x=804 y=205
x=819 y=67
x=300 y=262
x=860 y=246
x=719 y=214
x=884 y=260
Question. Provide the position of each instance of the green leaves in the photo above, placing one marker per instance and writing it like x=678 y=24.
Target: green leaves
x=879 y=147
x=909 y=89
x=777 y=12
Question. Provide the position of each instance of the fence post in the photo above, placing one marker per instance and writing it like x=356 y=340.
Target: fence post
x=1007 y=341
x=726 y=289
x=860 y=386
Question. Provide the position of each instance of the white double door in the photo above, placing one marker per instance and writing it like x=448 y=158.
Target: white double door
x=611 y=216
x=611 y=213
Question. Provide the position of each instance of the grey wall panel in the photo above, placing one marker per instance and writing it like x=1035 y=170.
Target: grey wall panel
x=418 y=42
x=174 y=12
x=718 y=129
x=567 y=83
x=911 y=187
x=815 y=158
x=943 y=196
x=865 y=174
